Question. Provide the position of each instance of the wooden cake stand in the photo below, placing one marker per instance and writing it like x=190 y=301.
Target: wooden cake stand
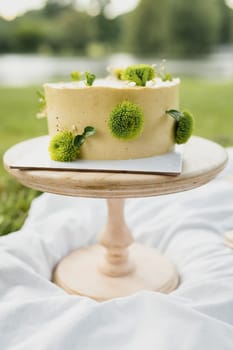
x=117 y=266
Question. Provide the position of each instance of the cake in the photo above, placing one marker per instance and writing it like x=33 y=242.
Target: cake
x=126 y=118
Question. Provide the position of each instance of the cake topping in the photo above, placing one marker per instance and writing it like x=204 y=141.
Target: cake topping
x=139 y=74
x=76 y=75
x=184 y=125
x=89 y=77
x=114 y=83
x=62 y=148
x=126 y=121
x=65 y=145
x=162 y=72
x=142 y=74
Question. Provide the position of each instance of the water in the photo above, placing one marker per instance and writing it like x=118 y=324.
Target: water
x=20 y=69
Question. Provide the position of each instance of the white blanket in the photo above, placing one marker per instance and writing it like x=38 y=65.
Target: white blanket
x=188 y=227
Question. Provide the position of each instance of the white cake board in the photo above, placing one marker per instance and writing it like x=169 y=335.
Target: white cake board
x=33 y=154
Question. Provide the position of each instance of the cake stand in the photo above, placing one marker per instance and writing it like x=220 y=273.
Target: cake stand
x=118 y=266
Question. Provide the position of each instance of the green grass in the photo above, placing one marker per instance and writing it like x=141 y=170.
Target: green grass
x=18 y=108
x=212 y=105
x=210 y=102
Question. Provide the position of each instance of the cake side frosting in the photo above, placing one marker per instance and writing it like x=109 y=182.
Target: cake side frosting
x=74 y=106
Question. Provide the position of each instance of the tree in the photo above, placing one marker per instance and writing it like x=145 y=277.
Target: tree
x=147 y=27
x=54 y=7
x=97 y=5
x=226 y=26
x=107 y=30
x=174 y=27
x=76 y=30
x=195 y=26
x=5 y=36
x=28 y=36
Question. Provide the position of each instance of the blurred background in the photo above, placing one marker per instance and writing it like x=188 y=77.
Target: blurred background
x=45 y=40
x=41 y=40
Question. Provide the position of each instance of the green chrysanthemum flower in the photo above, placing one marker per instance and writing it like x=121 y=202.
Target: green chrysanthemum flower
x=184 y=125
x=61 y=147
x=126 y=121
x=139 y=74
x=184 y=128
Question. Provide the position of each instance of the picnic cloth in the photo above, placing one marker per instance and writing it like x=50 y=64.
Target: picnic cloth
x=188 y=227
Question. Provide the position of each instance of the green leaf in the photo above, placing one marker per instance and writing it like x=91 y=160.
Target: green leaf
x=75 y=75
x=42 y=104
x=90 y=78
x=167 y=77
x=41 y=98
x=175 y=114
x=40 y=94
x=89 y=131
x=79 y=140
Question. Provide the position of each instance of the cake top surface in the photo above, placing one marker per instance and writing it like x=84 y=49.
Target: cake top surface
x=113 y=83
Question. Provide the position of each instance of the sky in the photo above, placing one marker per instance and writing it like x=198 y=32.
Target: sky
x=229 y=3
x=9 y=9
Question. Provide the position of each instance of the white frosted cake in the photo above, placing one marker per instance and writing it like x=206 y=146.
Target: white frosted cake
x=130 y=121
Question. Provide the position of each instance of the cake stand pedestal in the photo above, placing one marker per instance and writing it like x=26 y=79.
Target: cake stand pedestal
x=117 y=266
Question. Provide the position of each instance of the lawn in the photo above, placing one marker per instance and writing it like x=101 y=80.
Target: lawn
x=210 y=102
x=18 y=108
x=212 y=106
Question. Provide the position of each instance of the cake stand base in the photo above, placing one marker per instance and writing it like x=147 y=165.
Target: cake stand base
x=80 y=273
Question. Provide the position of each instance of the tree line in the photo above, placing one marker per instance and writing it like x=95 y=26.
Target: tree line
x=182 y=28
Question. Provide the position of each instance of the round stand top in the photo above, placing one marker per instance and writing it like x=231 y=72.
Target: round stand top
x=202 y=161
